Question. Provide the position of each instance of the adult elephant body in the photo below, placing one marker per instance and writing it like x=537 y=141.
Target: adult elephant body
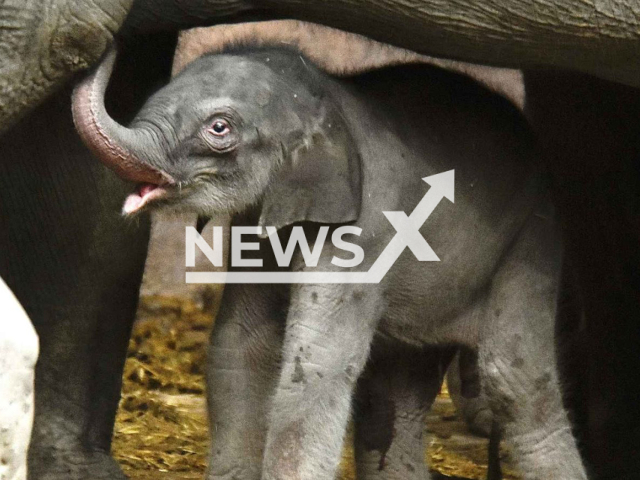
x=48 y=43
x=75 y=266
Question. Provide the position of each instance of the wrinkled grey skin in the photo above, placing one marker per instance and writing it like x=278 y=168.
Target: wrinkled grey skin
x=393 y=395
x=344 y=151
x=75 y=265
x=48 y=42
x=472 y=405
x=592 y=146
x=463 y=382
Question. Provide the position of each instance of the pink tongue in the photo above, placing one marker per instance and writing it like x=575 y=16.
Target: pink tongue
x=132 y=203
x=135 y=200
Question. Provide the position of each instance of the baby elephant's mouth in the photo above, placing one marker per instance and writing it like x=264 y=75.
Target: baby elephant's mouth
x=144 y=194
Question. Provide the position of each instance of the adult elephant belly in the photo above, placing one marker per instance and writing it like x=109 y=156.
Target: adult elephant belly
x=75 y=265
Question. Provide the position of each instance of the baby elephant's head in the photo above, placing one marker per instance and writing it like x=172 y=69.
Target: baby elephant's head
x=232 y=131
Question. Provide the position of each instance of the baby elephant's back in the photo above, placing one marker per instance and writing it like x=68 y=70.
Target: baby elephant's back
x=422 y=121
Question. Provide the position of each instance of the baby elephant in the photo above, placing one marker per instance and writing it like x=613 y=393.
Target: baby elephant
x=266 y=136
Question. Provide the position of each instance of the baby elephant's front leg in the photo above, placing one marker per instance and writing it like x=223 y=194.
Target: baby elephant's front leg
x=243 y=367
x=327 y=341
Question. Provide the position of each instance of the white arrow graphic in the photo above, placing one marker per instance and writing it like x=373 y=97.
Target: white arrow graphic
x=408 y=235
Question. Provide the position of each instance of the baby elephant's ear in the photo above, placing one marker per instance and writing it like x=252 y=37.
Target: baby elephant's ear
x=319 y=180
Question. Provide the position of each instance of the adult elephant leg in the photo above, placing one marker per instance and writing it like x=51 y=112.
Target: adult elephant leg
x=18 y=355
x=244 y=361
x=394 y=394
x=590 y=129
x=75 y=265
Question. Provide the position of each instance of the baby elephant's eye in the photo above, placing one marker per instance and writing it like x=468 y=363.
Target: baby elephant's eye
x=219 y=128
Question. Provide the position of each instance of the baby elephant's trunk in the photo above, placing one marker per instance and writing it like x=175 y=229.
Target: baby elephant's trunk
x=114 y=144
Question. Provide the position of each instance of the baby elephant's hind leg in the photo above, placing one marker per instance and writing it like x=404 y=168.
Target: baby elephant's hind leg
x=471 y=403
x=517 y=356
x=394 y=394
